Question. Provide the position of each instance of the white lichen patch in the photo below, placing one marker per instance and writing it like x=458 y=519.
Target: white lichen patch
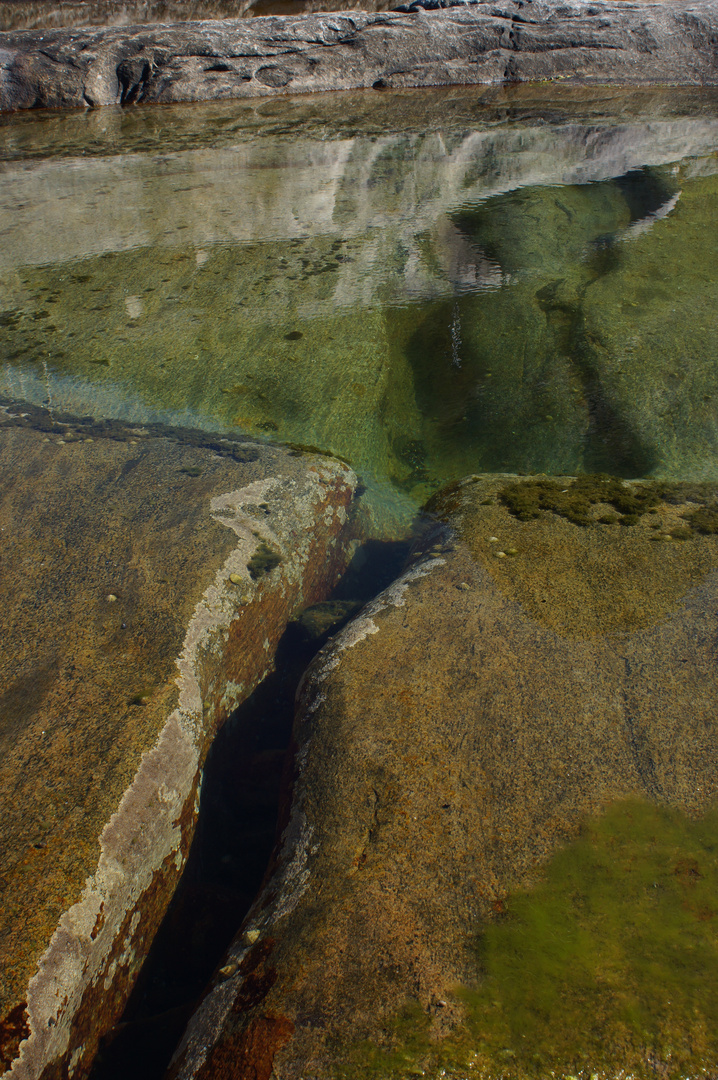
x=364 y=625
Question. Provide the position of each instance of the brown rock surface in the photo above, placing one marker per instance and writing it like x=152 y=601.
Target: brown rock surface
x=146 y=576
x=449 y=742
x=670 y=43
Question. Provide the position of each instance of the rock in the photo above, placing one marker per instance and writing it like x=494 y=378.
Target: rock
x=502 y=796
x=32 y=15
x=125 y=643
x=523 y=40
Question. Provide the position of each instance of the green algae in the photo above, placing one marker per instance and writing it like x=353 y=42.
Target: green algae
x=607 y=967
x=704 y=519
x=264 y=560
x=526 y=499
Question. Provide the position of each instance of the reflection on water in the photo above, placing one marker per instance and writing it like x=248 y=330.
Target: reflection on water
x=486 y=294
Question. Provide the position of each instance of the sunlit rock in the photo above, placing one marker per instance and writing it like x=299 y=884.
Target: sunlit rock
x=500 y=858
x=147 y=575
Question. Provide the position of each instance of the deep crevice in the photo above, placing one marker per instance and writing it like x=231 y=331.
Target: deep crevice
x=235 y=836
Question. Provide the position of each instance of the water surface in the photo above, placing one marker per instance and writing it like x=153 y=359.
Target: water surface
x=427 y=284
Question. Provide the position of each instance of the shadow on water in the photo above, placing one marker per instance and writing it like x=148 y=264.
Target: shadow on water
x=235 y=835
x=510 y=379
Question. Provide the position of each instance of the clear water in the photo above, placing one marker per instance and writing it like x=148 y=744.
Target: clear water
x=427 y=284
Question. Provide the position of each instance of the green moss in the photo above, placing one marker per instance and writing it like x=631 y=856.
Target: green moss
x=704 y=520
x=608 y=966
x=263 y=560
x=192 y=470
x=574 y=500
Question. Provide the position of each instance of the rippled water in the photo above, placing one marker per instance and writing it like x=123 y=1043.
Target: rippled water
x=428 y=284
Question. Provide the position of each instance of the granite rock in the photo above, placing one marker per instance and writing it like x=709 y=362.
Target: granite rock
x=147 y=575
x=521 y=678
x=519 y=41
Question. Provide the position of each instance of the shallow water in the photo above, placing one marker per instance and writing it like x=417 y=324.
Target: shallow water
x=445 y=282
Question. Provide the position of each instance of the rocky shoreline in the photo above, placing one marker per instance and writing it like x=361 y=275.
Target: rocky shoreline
x=632 y=44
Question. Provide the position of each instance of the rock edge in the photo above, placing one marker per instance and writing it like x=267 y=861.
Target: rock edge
x=671 y=43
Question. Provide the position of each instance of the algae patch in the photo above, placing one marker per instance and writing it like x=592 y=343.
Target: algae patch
x=704 y=520
x=526 y=499
x=575 y=501
x=263 y=561
x=609 y=966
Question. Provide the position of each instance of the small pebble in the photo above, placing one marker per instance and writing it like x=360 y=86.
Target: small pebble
x=228 y=970
x=250 y=936
x=493 y=539
x=500 y=554
x=512 y=551
x=236 y=579
x=110 y=598
x=463 y=586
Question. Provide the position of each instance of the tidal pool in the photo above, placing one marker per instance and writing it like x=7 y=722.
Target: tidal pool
x=427 y=284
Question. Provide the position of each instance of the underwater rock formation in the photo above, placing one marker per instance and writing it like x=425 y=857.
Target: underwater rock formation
x=506 y=746
x=671 y=43
x=147 y=575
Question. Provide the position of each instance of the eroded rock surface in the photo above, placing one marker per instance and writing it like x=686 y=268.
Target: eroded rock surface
x=533 y=672
x=524 y=40
x=146 y=576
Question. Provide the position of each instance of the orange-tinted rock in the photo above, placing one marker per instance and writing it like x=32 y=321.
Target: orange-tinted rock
x=520 y=677
x=146 y=576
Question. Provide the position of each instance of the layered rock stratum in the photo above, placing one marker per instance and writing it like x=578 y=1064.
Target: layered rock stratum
x=670 y=43
x=146 y=576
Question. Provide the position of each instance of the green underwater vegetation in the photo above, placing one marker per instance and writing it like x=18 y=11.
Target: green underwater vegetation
x=607 y=967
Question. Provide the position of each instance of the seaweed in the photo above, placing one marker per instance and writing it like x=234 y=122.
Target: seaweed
x=525 y=500
x=263 y=561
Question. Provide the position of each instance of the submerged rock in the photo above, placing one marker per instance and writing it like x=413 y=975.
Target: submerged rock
x=147 y=575
x=500 y=856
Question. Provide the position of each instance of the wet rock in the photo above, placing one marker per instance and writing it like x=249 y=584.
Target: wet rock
x=125 y=643
x=670 y=43
x=490 y=759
